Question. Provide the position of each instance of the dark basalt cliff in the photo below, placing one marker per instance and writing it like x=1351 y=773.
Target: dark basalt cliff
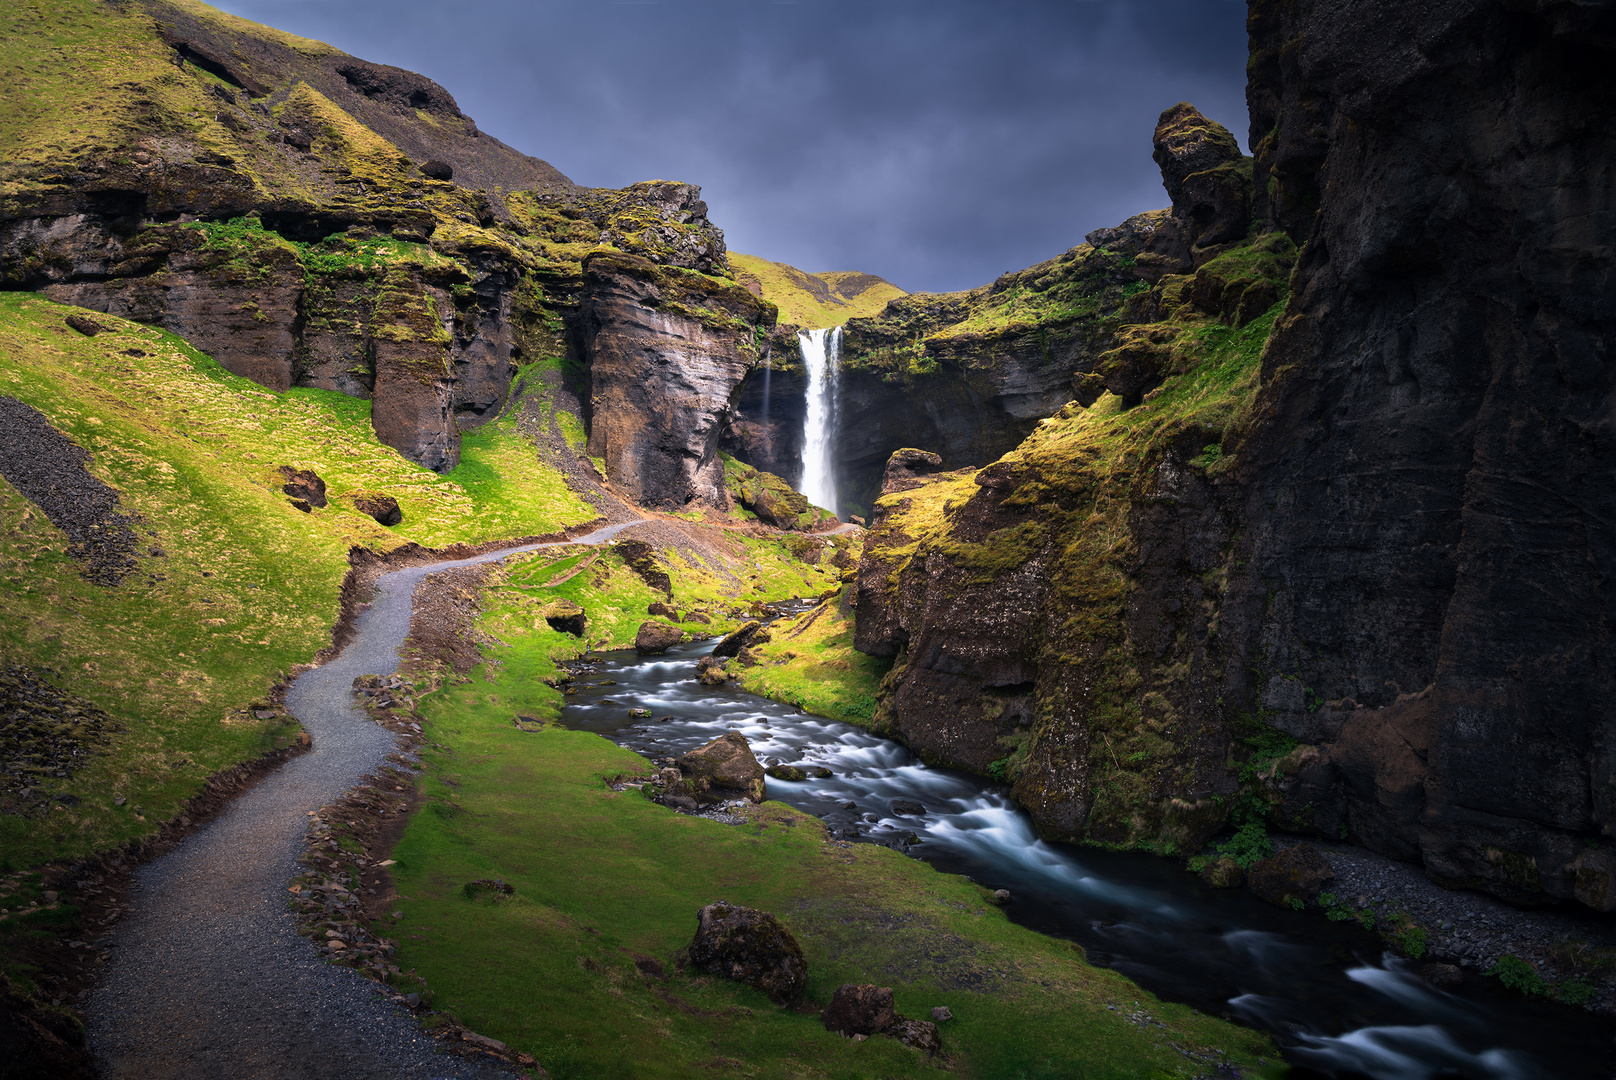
x=1365 y=580
x=1429 y=511
x=310 y=219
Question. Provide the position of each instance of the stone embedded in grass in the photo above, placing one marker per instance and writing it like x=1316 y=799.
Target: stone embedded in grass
x=749 y=946
x=861 y=1011
x=726 y=762
x=564 y=616
x=495 y=886
x=655 y=637
x=303 y=484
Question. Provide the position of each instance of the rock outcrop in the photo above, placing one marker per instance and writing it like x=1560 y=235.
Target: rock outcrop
x=726 y=762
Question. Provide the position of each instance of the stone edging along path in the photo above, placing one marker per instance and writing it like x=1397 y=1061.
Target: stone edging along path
x=208 y=975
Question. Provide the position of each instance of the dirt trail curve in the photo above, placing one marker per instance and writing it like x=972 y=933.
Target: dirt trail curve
x=209 y=978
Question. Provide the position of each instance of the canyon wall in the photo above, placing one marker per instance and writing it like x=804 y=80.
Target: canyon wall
x=1367 y=582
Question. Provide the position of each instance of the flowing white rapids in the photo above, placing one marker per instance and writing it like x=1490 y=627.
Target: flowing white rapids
x=820 y=351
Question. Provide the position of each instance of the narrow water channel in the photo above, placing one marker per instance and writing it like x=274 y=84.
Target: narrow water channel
x=1334 y=1000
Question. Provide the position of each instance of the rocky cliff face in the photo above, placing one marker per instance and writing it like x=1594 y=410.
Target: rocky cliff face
x=668 y=349
x=1362 y=583
x=311 y=219
x=1429 y=508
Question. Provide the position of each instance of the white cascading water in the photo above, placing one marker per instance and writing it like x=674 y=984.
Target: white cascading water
x=820 y=349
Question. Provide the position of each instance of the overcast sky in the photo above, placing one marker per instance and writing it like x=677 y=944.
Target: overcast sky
x=937 y=143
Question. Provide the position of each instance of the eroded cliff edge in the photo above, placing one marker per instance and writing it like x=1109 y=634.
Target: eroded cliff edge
x=1360 y=573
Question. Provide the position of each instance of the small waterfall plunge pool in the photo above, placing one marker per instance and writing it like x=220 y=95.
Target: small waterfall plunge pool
x=1338 y=1005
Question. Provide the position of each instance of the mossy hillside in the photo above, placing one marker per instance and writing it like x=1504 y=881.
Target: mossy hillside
x=1073 y=485
x=247 y=585
x=606 y=879
x=814 y=300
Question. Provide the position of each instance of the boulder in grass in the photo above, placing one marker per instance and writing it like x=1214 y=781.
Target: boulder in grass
x=920 y=1034
x=1295 y=874
x=725 y=763
x=860 y=1010
x=656 y=637
x=1225 y=873
x=87 y=327
x=384 y=508
x=749 y=946
x=437 y=170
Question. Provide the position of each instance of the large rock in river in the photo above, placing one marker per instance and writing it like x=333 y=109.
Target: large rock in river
x=726 y=762
x=656 y=637
x=749 y=946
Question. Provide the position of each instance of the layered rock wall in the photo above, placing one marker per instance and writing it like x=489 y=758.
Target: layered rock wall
x=668 y=349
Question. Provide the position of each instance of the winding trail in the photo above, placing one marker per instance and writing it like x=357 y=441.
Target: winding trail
x=208 y=977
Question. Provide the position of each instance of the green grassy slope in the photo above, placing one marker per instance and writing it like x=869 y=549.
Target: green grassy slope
x=247 y=585
x=814 y=300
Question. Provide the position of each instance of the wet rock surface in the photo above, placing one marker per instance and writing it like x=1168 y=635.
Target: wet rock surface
x=749 y=946
x=1291 y=877
x=49 y=469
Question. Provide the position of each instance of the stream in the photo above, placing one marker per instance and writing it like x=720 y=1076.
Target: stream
x=1336 y=1002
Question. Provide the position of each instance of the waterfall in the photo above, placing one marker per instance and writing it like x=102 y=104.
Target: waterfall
x=819 y=355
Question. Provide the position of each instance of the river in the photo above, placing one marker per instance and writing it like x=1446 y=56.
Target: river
x=1336 y=1003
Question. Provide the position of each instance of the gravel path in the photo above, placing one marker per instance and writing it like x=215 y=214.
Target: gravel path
x=208 y=977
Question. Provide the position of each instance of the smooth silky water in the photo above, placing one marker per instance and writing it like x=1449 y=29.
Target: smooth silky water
x=1337 y=1003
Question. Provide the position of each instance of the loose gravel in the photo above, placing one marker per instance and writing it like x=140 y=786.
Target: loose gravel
x=209 y=977
x=48 y=468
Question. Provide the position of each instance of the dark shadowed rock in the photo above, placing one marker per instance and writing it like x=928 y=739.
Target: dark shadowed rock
x=1224 y=873
x=749 y=946
x=727 y=762
x=304 y=484
x=662 y=611
x=906 y=808
x=1594 y=878
x=655 y=637
x=384 y=508
x=860 y=1010
x=786 y=772
x=1442 y=976
x=437 y=170
x=1297 y=873
x=737 y=639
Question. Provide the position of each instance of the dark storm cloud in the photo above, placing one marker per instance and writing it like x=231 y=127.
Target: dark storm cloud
x=935 y=143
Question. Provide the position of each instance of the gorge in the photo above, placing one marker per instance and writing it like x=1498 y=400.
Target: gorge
x=1264 y=533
